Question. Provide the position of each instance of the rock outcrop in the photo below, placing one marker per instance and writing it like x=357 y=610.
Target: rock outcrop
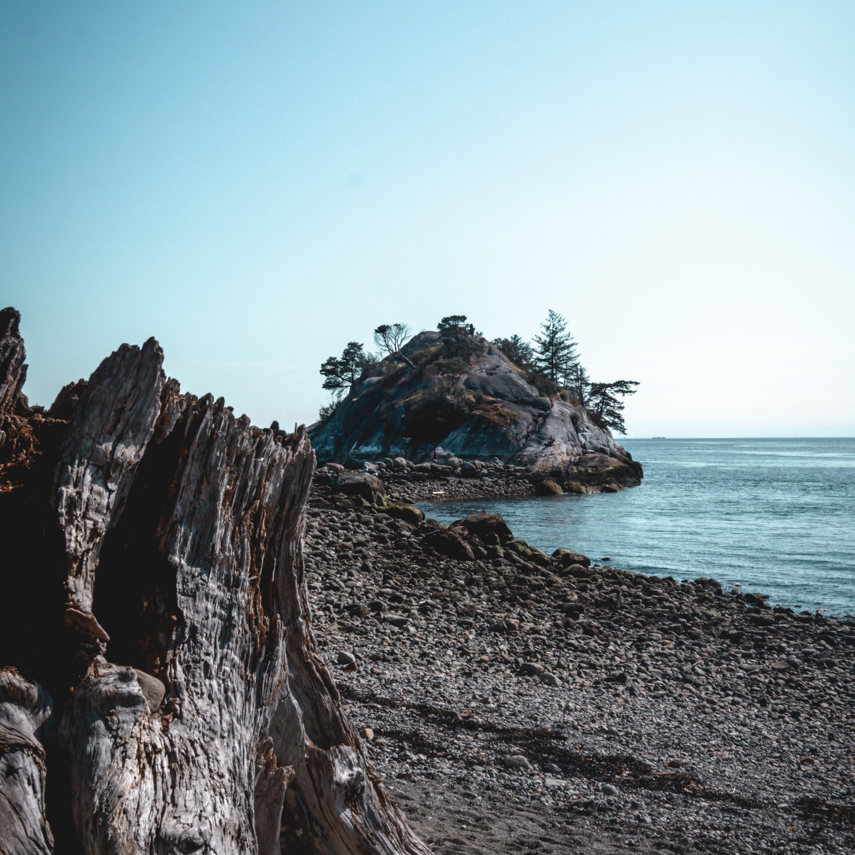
x=484 y=408
x=159 y=680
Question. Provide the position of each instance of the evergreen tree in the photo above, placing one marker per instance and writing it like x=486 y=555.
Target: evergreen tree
x=454 y=327
x=341 y=373
x=516 y=349
x=605 y=408
x=555 y=349
x=579 y=383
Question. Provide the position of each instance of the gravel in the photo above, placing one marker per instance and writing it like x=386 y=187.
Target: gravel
x=515 y=703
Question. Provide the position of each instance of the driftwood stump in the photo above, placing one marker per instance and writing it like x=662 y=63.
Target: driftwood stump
x=160 y=689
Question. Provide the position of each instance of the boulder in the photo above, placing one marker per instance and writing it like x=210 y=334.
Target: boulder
x=567 y=557
x=516 y=761
x=451 y=544
x=363 y=485
x=407 y=513
x=527 y=551
x=576 y=570
x=548 y=488
x=490 y=529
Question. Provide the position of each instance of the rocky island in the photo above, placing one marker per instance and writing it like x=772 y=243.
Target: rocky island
x=455 y=402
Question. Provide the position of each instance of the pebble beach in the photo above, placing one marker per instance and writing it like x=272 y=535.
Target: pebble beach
x=515 y=702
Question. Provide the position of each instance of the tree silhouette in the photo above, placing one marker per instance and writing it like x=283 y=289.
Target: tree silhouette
x=555 y=349
x=341 y=373
x=605 y=408
x=390 y=338
x=519 y=351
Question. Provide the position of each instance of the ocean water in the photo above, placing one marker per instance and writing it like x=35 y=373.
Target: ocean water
x=776 y=516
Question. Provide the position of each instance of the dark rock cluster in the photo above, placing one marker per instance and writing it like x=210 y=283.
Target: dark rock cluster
x=404 y=481
x=522 y=701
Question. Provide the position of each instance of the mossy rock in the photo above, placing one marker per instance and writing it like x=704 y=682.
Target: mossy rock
x=576 y=570
x=525 y=550
x=407 y=513
x=548 y=488
x=568 y=557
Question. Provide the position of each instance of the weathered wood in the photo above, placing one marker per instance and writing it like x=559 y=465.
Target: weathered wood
x=16 y=439
x=100 y=451
x=203 y=718
x=24 y=707
x=13 y=370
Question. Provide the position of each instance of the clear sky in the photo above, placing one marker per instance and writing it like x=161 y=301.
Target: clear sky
x=256 y=184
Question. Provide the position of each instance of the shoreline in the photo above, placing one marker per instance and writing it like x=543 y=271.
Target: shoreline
x=426 y=482
x=515 y=696
x=403 y=490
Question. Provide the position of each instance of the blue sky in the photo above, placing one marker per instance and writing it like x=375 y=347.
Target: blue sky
x=256 y=184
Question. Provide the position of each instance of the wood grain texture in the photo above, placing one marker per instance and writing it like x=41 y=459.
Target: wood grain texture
x=13 y=370
x=24 y=708
x=203 y=718
x=100 y=451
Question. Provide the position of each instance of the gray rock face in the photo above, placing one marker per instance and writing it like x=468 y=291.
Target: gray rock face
x=509 y=419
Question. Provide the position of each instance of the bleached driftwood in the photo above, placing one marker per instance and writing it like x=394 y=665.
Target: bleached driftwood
x=24 y=708
x=193 y=712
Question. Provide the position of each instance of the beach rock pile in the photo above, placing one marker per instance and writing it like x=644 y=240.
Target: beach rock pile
x=452 y=478
x=522 y=701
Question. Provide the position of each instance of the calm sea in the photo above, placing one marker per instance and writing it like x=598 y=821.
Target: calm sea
x=774 y=515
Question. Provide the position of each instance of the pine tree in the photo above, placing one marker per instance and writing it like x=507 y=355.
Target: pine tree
x=454 y=327
x=605 y=408
x=579 y=383
x=518 y=350
x=341 y=373
x=555 y=350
